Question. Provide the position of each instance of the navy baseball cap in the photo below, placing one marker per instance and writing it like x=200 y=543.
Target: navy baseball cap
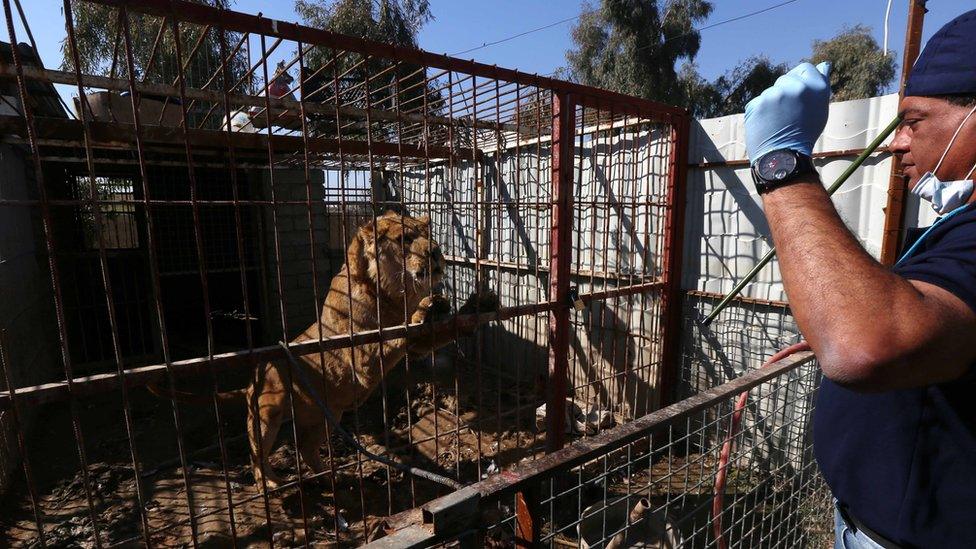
x=947 y=64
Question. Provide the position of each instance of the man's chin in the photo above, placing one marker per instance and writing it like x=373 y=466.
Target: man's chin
x=911 y=178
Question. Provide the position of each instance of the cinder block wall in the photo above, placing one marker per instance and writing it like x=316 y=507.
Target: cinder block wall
x=296 y=264
x=26 y=306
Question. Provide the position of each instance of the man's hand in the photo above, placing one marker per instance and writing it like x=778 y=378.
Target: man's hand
x=791 y=114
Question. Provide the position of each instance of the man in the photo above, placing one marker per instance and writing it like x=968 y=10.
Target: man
x=895 y=425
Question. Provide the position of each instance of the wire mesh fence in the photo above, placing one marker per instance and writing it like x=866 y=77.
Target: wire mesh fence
x=682 y=476
x=473 y=265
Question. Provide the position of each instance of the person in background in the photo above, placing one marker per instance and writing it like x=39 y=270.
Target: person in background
x=895 y=422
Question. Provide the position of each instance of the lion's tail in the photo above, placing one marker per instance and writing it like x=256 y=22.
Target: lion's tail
x=236 y=396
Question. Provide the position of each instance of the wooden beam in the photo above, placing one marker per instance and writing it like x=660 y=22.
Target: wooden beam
x=897 y=184
x=113 y=134
x=326 y=109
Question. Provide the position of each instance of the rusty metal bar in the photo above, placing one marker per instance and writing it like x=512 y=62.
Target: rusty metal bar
x=316 y=292
x=122 y=135
x=672 y=264
x=740 y=299
x=204 y=277
x=282 y=308
x=198 y=94
x=54 y=272
x=142 y=375
x=563 y=127
x=154 y=267
x=528 y=517
x=624 y=434
x=106 y=278
x=241 y=22
x=21 y=439
x=897 y=183
x=232 y=166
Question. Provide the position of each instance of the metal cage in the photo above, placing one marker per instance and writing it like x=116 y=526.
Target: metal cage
x=192 y=206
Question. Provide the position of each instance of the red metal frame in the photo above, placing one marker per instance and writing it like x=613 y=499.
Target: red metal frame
x=563 y=124
x=674 y=229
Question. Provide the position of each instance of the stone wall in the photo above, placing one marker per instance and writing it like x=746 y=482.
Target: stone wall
x=296 y=263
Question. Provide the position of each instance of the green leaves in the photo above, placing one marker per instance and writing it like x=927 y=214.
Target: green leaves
x=859 y=68
x=635 y=47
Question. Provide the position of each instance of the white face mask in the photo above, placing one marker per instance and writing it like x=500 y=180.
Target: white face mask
x=946 y=196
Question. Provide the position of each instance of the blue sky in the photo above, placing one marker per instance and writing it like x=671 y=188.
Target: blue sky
x=783 y=34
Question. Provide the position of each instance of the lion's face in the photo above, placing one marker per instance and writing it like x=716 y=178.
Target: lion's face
x=403 y=254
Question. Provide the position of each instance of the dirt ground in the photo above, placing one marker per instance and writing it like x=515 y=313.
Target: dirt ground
x=491 y=435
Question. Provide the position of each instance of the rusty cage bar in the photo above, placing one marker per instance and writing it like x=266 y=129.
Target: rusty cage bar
x=224 y=181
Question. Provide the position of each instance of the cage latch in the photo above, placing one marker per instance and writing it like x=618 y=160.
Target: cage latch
x=574 y=298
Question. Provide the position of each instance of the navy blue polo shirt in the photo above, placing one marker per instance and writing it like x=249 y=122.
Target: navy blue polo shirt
x=904 y=462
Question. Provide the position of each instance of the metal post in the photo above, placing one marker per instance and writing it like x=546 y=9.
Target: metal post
x=563 y=124
x=897 y=186
x=672 y=263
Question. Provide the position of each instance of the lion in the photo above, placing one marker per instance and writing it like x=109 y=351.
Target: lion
x=390 y=268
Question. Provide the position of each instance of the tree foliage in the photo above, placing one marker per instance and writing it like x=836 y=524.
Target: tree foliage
x=859 y=68
x=102 y=51
x=633 y=46
x=390 y=84
x=730 y=92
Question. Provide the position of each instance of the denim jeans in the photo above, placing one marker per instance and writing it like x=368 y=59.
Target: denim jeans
x=846 y=537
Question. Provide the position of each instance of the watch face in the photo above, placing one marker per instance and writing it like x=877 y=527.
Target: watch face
x=777 y=165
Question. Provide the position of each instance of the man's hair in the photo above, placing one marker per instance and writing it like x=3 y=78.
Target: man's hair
x=963 y=100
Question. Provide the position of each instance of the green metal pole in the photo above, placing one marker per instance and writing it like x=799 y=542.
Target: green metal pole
x=830 y=191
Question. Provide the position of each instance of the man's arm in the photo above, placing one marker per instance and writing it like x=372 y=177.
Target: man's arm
x=871 y=329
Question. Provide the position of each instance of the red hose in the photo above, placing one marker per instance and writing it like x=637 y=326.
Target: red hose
x=723 y=460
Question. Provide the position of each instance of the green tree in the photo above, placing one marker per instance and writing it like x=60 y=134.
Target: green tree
x=729 y=93
x=101 y=46
x=633 y=46
x=391 y=85
x=859 y=68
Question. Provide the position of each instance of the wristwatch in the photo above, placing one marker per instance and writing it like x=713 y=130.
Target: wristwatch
x=780 y=167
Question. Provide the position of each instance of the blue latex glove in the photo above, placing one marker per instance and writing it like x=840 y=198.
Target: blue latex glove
x=791 y=114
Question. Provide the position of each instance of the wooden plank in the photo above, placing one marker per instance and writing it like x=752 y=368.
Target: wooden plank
x=115 y=134
x=327 y=109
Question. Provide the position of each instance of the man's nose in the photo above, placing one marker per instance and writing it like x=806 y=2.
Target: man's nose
x=901 y=144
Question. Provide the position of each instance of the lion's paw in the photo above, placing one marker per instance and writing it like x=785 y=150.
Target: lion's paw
x=481 y=302
x=431 y=308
